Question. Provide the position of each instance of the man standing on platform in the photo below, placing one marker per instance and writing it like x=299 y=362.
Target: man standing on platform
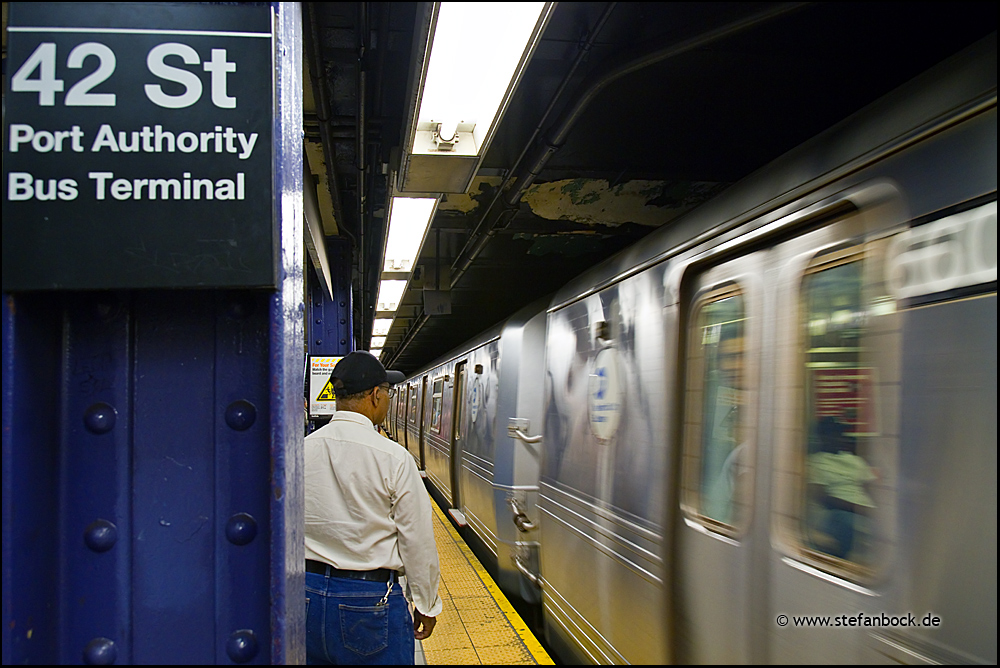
x=368 y=521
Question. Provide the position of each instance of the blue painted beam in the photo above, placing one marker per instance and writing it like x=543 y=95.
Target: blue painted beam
x=330 y=323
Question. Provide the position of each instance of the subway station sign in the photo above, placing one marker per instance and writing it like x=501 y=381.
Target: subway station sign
x=138 y=146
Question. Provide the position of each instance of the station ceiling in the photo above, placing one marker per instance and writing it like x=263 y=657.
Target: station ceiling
x=728 y=88
x=713 y=92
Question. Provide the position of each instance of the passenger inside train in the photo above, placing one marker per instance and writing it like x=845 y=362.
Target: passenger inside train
x=840 y=481
x=722 y=343
x=840 y=487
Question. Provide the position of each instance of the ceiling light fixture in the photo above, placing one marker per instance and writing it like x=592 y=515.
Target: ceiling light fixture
x=409 y=218
x=473 y=59
x=389 y=294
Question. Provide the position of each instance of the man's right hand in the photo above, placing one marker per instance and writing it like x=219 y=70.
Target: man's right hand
x=427 y=624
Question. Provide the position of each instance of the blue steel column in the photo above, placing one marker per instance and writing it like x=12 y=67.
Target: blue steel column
x=152 y=456
x=31 y=334
x=330 y=322
x=287 y=356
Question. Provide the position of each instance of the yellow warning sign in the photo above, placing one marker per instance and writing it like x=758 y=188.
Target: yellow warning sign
x=321 y=397
x=326 y=394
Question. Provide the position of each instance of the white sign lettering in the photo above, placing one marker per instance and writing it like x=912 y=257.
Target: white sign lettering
x=953 y=252
x=43 y=61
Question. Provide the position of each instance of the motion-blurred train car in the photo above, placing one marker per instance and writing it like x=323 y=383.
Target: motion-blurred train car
x=461 y=416
x=767 y=431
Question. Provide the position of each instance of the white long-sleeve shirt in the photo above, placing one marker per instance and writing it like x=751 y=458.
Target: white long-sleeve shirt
x=366 y=507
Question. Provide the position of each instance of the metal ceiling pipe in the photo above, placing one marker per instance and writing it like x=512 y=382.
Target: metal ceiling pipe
x=558 y=133
x=383 y=48
x=319 y=86
x=361 y=162
x=408 y=337
x=378 y=226
x=361 y=93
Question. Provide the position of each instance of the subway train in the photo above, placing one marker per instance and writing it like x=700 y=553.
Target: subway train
x=767 y=432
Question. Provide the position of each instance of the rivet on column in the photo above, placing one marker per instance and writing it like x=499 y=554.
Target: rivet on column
x=100 y=535
x=242 y=646
x=241 y=529
x=100 y=652
x=100 y=418
x=240 y=415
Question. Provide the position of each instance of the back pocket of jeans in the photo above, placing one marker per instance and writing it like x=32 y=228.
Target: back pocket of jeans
x=365 y=629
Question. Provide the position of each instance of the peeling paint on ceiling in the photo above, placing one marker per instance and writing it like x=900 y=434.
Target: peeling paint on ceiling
x=465 y=202
x=593 y=201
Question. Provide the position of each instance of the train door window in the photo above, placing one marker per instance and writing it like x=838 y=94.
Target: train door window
x=437 y=394
x=413 y=410
x=838 y=477
x=459 y=403
x=395 y=401
x=716 y=426
x=849 y=338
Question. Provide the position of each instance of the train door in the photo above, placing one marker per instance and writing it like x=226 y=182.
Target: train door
x=404 y=420
x=390 y=417
x=412 y=426
x=835 y=366
x=422 y=436
x=719 y=529
x=398 y=416
x=398 y=409
x=457 y=433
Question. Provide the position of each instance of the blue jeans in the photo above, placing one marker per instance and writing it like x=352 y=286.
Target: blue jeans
x=840 y=525
x=346 y=625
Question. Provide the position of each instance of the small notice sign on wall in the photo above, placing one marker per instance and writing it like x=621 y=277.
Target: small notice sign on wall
x=321 y=399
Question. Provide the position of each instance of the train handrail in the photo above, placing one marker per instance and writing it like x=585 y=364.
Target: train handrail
x=521 y=520
x=525 y=571
x=517 y=428
x=524 y=437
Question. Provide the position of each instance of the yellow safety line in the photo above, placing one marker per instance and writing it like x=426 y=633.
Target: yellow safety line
x=527 y=637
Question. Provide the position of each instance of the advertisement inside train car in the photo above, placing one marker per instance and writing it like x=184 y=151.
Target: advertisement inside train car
x=137 y=146
x=847 y=395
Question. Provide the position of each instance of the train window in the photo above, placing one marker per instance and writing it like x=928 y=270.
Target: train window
x=716 y=467
x=838 y=474
x=847 y=447
x=413 y=405
x=456 y=423
x=437 y=394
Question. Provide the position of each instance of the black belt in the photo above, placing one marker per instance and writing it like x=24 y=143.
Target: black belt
x=377 y=575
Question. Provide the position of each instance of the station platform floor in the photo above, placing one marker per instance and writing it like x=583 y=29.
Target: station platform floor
x=478 y=625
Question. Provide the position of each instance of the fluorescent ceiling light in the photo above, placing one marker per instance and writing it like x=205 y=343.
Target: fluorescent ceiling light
x=378 y=342
x=408 y=221
x=377 y=352
x=389 y=294
x=475 y=54
x=382 y=326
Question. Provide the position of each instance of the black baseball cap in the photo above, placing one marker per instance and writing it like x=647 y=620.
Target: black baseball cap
x=360 y=371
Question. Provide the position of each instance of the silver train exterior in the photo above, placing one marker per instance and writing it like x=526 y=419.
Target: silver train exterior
x=768 y=431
